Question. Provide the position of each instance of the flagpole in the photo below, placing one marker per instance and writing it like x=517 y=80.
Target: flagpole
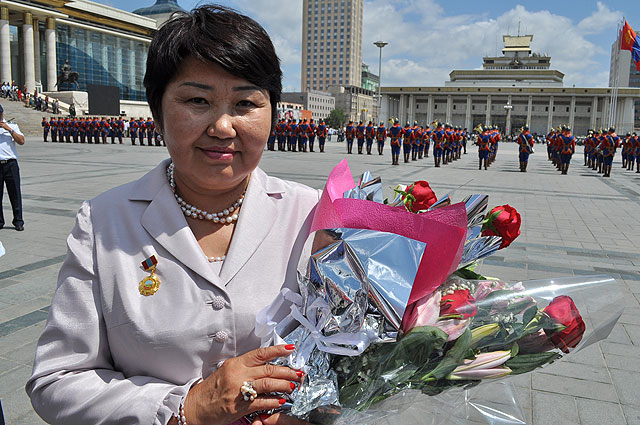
x=613 y=104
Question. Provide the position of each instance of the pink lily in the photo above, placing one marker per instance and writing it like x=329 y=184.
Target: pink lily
x=453 y=327
x=486 y=287
x=425 y=313
x=483 y=366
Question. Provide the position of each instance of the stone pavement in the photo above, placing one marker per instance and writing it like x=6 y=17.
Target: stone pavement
x=572 y=225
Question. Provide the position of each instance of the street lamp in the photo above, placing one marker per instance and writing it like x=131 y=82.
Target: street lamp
x=380 y=45
x=508 y=107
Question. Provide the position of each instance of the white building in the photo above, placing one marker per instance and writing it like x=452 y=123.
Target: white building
x=512 y=90
x=319 y=103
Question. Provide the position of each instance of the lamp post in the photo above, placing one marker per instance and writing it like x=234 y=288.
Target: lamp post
x=508 y=107
x=380 y=45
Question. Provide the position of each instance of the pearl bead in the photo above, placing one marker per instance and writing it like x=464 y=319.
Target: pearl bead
x=216 y=219
x=240 y=201
x=229 y=219
x=220 y=214
x=226 y=212
x=209 y=217
x=187 y=213
x=234 y=217
x=232 y=208
x=188 y=206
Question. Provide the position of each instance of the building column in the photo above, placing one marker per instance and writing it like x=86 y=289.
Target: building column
x=5 y=45
x=36 y=51
x=449 y=112
x=467 y=119
x=572 y=112
x=594 y=113
x=52 y=66
x=412 y=109
x=402 y=113
x=507 y=127
x=28 y=60
x=430 y=109
x=529 y=111
x=487 y=119
x=550 y=118
x=604 y=120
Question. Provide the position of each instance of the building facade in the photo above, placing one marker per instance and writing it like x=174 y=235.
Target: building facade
x=105 y=45
x=331 y=43
x=370 y=81
x=357 y=103
x=511 y=91
x=624 y=69
x=320 y=104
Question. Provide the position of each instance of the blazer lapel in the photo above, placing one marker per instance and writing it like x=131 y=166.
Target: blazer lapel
x=164 y=221
x=256 y=219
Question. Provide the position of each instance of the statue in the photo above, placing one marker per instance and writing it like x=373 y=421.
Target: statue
x=68 y=76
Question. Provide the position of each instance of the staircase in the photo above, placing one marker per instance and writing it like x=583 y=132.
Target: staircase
x=27 y=118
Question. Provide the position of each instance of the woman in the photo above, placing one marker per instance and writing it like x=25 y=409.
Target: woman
x=172 y=341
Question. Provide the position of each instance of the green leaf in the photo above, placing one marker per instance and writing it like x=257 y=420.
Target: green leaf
x=515 y=349
x=452 y=359
x=529 y=314
x=469 y=274
x=524 y=363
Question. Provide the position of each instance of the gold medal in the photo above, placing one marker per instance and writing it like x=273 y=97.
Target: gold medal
x=150 y=284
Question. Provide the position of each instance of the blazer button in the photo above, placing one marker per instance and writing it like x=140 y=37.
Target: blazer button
x=220 y=363
x=221 y=336
x=218 y=302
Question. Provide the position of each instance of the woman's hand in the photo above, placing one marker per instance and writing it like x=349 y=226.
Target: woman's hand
x=279 y=419
x=217 y=399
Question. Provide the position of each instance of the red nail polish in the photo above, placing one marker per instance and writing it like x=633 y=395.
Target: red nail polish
x=263 y=416
x=282 y=401
x=292 y=385
x=290 y=346
x=300 y=373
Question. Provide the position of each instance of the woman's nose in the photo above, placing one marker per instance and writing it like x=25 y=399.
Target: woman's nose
x=222 y=127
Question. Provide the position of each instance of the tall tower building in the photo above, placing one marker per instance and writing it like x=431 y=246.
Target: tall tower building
x=331 y=43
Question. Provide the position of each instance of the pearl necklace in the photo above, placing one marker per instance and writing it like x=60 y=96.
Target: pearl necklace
x=226 y=216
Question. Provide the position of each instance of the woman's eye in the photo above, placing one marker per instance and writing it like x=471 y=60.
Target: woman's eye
x=198 y=101
x=246 y=104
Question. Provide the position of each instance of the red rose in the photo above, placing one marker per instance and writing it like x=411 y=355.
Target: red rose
x=563 y=311
x=424 y=196
x=503 y=221
x=460 y=303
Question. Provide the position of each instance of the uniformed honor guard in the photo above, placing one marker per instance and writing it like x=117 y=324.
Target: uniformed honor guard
x=627 y=147
x=149 y=127
x=350 y=135
x=567 y=148
x=395 y=133
x=381 y=136
x=293 y=131
x=321 y=132
x=636 y=143
x=609 y=145
x=369 y=135
x=53 y=124
x=416 y=141
x=271 y=141
x=303 y=135
x=484 y=146
x=120 y=129
x=133 y=131
x=438 y=139
x=525 y=140
x=426 y=140
x=407 y=139
x=312 y=131
x=360 y=130
x=45 y=129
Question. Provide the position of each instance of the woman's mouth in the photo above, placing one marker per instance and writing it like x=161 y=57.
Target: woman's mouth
x=218 y=153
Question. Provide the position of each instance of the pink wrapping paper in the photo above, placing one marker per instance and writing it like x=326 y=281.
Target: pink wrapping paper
x=443 y=230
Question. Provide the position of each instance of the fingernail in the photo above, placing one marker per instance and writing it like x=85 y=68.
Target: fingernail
x=300 y=373
x=290 y=346
x=282 y=401
x=263 y=416
x=292 y=385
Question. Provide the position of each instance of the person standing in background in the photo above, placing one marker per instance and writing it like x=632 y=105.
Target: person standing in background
x=10 y=134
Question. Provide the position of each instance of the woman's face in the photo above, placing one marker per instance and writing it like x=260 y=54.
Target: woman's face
x=215 y=126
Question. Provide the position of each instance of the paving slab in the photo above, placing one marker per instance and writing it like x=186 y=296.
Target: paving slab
x=573 y=225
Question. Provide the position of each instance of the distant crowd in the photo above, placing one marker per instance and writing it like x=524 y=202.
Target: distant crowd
x=12 y=92
x=101 y=130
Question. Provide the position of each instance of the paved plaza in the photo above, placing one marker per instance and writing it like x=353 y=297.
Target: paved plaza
x=573 y=225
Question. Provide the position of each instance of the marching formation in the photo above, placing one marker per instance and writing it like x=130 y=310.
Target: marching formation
x=487 y=141
x=561 y=145
x=100 y=129
x=600 y=148
x=298 y=135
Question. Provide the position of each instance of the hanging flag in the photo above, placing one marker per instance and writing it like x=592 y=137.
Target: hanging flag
x=635 y=52
x=627 y=37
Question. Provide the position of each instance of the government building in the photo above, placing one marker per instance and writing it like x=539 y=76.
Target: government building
x=104 y=45
x=516 y=89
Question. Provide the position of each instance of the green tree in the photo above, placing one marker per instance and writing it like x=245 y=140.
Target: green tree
x=336 y=118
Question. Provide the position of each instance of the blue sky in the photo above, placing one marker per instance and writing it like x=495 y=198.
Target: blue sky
x=429 y=38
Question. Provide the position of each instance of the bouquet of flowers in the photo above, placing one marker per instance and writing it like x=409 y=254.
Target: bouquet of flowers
x=390 y=302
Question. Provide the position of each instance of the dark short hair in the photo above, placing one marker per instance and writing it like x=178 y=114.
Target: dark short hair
x=215 y=34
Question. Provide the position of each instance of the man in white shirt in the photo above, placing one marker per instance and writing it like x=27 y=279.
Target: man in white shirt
x=10 y=134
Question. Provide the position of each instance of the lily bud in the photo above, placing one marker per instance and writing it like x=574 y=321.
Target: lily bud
x=484 y=366
x=483 y=331
x=480 y=374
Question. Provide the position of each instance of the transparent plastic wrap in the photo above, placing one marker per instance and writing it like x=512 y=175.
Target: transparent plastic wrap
x=392 y=322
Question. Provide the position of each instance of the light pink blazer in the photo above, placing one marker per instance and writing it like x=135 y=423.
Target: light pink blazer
x=111 y=355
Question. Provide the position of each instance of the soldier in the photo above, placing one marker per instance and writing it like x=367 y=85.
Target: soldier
x=395 y=133
x=53 y=124
x=636 y=142
x=45 y=129
x=567 y=149
x=279 y=137
x=588 y=146
x=465 y=138
x=271 y=141
x=370 y=134
x=149 y=127
x=120 y=129
x=381 y=136
x=426 y=140
x=360 y=130
x=525 y=140
x=416 y=141
x=608 y=145
x=550 y=137
x=312 y=134
x=484 y=146
x=293 y=130
x=438 y=138
x=321 y=132
x=104 y=130
x=407 y=139
x=133 y=131
x=302 y=133
x=626 y=142
x=350 y=135
x=631 y=154
x=83 y=130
